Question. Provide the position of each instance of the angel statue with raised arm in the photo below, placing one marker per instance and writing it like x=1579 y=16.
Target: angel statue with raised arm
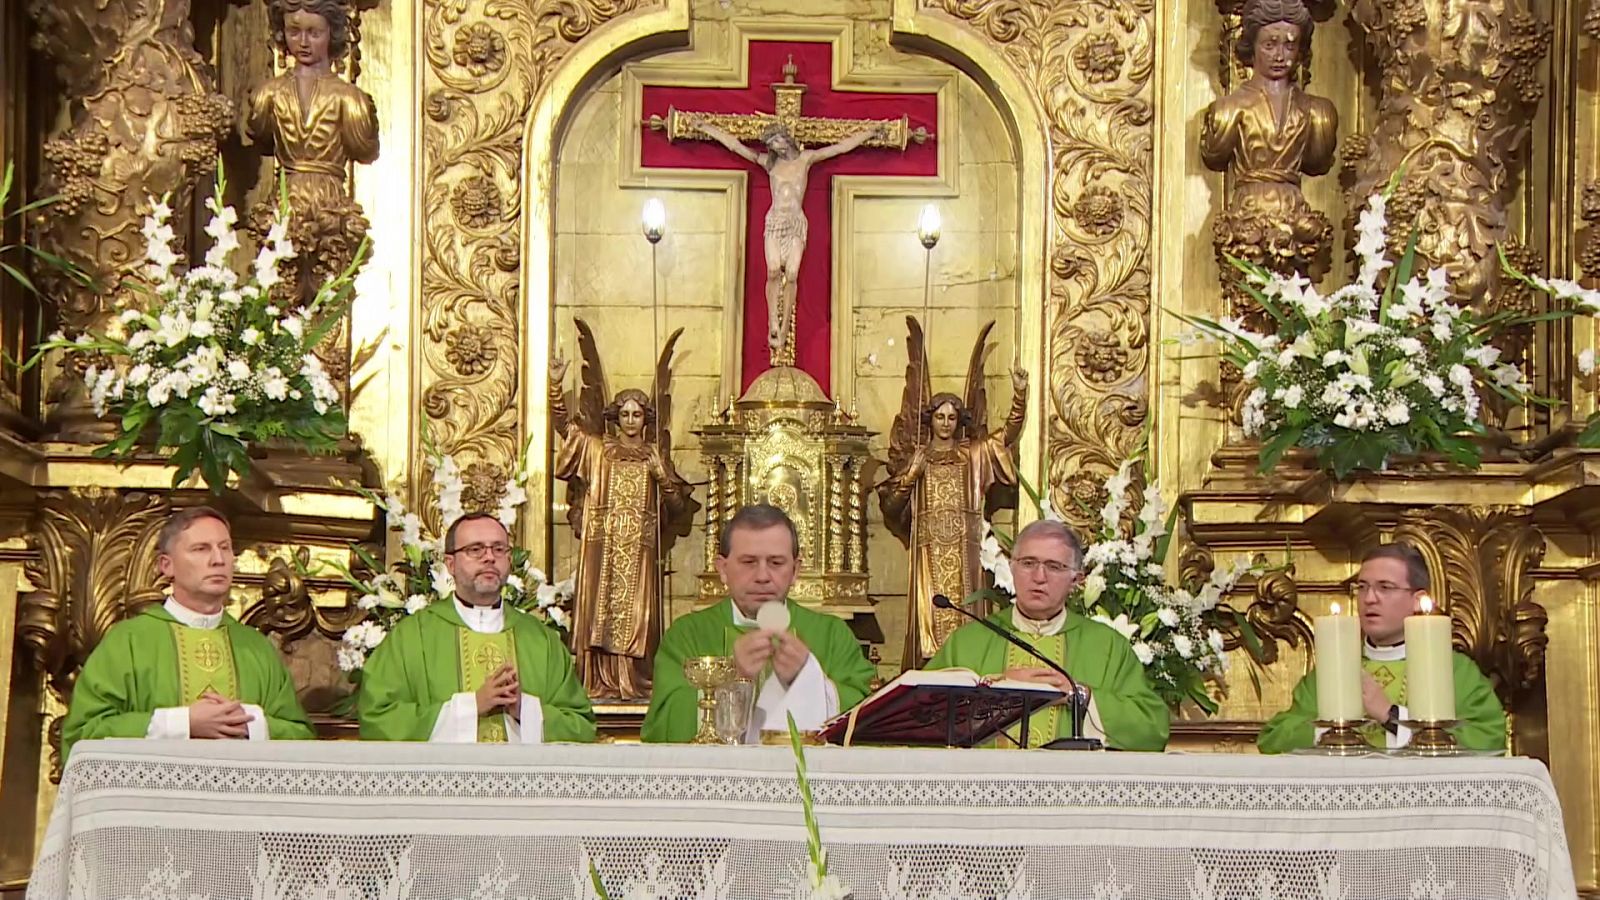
x=944 y=465
x=626 y=504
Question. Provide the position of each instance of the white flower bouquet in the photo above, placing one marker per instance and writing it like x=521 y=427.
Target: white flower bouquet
x=206 y=362
x=1585 y=301
x=419 y=577
x=1172 y=629
x=1368 y=371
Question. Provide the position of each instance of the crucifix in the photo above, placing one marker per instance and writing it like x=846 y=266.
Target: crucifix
x=793 y=143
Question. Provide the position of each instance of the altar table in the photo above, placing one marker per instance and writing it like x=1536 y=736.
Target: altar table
x=207 y=820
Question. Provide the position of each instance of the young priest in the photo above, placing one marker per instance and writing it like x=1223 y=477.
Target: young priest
x=1392 y=579
x=470 y=669
x=185 y=668
x=813 y=670
x=1045 y=565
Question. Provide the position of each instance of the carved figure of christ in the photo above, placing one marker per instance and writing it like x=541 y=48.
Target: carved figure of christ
x=788 y=166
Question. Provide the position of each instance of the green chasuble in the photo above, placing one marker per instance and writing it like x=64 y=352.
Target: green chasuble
x=1483 y=722
x=137 y=669
x=1133 y=717
x=674 y=710
x=417 y=669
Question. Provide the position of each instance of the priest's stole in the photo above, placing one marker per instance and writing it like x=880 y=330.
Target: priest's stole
x=205 y=663
x=1043 y=726
x=481 y=655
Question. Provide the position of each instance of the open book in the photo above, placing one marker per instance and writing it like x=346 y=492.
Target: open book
x=942 y=708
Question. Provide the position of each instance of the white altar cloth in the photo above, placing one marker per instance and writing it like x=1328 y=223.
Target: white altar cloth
x=209 y=820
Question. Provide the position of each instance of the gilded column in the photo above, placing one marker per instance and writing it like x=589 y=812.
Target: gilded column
x=146 y=120
x=1457 y=91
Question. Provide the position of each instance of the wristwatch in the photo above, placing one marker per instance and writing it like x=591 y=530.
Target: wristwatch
x=1392 y=724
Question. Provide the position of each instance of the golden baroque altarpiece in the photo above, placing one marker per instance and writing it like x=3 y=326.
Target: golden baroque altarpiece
x=1103 y=231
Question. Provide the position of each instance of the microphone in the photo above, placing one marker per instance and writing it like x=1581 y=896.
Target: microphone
x=1077 y=706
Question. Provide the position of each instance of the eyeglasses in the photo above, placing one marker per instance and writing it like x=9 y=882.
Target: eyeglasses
x=480 y=550
x=1052 y=567
x=1385 y=590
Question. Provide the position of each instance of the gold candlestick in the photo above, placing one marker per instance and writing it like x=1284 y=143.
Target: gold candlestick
x=1342 y=737
x=1431 y=737
x=708 y=673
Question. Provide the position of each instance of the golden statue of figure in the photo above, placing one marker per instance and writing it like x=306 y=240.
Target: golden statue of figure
x=626 y=504
x=944 y=465
x=788 y=167
x=1266 y=135
x=316 y=124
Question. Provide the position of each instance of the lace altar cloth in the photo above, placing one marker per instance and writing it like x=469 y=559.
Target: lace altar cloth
x=206 y=820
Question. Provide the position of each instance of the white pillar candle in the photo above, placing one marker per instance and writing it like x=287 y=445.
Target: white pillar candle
x=1430 y=681
x=1338 y=667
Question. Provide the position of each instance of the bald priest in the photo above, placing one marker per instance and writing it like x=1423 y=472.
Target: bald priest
x=812 y=668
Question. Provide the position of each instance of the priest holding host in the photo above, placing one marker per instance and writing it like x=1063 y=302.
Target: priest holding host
x=185 y=668
x=1391 y=583
x=808 y=664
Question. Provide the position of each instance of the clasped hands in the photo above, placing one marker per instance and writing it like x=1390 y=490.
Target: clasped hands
x=786 y=652
x=215 y=717
x=501 y=691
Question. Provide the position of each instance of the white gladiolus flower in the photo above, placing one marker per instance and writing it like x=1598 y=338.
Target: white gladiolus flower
x=1483 y=357
x=415 y=604
x=295 y=325
x=557 y=615
x=444 y=584
x=367 y=601
x=514 y=581
x=992 y=557
x=1120 y=625
x=1144 y=652
x=410 y=529
x=1214 y=638
x=1094 y=586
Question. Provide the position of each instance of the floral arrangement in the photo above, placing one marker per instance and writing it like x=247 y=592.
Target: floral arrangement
x=1585 y=301
x=1170 y=628
x=206 y=360
x=419 y=576
x=1371 y=370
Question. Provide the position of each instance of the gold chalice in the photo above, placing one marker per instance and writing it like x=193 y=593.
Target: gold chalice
x=708 y=673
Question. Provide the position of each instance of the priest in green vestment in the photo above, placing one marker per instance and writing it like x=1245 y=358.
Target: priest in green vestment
x=186 y=669
x=1392 y=579
x=812 y=670
x=471 y=669
x=1046 y=564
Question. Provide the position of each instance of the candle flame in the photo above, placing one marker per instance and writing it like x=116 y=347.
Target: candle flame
x=1335 y=610
x=1425 y=605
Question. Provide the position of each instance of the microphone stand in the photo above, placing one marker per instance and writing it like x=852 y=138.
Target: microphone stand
x=1076 y=704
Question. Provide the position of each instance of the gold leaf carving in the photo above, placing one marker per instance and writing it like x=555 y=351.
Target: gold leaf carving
x=486 y=64
x=1090 y=64
x=95 y=565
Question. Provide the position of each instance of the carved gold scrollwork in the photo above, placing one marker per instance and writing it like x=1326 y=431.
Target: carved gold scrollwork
x=1589 y=256
x=1090 y=62
x=95 y=565
x=307 y=634
x=484 y=69
x=1273 y=614
x=1479 y=558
